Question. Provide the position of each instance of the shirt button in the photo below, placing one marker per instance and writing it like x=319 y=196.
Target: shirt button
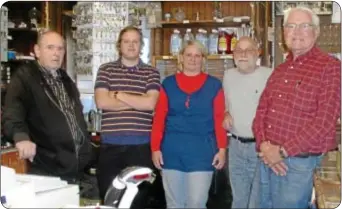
x=269 y=126
x=273 y=110
x=285 y=81
x=300 y=63
x=279 y=95
x=291 y=67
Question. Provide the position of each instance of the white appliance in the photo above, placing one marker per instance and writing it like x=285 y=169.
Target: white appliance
x=124 y=188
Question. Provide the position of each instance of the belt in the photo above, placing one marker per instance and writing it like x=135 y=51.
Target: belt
x=244 y=139
x=307 y=154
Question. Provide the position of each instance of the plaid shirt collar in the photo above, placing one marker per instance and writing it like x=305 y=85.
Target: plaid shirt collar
x=311 y=53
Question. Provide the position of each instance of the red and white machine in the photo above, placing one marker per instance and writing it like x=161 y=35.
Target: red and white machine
x=125 y=187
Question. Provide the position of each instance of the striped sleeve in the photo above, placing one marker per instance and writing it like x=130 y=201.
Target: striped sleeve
x=102 y=78
x=153 y=82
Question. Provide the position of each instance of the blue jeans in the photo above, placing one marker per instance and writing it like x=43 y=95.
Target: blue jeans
x=293 y=190
x=242 y=162
x=186 y=189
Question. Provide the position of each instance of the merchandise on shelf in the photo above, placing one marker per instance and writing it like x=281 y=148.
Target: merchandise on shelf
x=97 y=27
x=3 y=33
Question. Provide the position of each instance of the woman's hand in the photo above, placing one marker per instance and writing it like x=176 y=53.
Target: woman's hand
x=219 y=159
x=157 y=158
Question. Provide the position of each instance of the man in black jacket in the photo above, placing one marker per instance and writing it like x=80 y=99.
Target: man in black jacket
x=43 y=114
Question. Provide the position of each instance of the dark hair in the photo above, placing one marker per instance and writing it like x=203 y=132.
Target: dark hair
x=126 y=29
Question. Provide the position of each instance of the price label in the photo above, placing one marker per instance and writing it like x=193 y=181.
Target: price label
x=186 y=21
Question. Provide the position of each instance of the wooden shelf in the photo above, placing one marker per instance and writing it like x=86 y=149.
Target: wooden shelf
x=209 y=57
x=202 y=23
x=22 y=30
x=18 y=61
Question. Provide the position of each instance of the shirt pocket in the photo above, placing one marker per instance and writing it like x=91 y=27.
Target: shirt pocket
x=304 y=97
x=256 y=95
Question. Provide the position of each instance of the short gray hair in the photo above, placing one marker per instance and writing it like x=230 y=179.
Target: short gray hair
x=314 y=17
x=44 y=32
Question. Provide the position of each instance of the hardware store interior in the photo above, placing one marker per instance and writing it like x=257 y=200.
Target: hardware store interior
x=90 y=31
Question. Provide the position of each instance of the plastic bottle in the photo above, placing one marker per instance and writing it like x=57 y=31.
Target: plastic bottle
x=205 y=40
x=213 y=42
x=199 y=35
x=202 y=37
x=188 y=36
x=175 y=42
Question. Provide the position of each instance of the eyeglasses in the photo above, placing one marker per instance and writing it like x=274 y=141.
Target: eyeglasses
x=240 y=52
x=302 y=27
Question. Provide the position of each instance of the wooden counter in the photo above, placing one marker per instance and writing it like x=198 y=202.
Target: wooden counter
x=10 y=158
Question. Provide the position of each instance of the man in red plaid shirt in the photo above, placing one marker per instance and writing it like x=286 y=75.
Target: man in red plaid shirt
x=296 y=118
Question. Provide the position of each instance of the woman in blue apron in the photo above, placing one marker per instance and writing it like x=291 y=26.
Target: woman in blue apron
x=188 y=141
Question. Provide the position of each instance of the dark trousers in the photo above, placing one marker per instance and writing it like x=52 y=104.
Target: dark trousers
x=36 y=170
x=114 y=158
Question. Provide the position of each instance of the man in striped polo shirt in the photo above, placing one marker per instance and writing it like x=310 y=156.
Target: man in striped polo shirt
x=126 y=90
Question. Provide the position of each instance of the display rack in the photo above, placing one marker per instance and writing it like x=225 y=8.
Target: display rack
x=232 y=15
x=97 y=27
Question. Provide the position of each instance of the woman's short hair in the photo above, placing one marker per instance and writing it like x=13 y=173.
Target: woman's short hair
x=200 y=46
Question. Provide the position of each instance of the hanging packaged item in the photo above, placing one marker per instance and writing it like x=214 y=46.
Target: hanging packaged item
x=222 y=42
x=233 y=42
x=229 y=37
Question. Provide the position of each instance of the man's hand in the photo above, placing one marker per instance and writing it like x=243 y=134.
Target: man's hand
x=219 y=159
x=264 y=146
x=280 y=168
x=139 y=101
x=271 y=156
x=26 y=149
x=107 y=100
x=157 y=158
x=112 y=94
x=227 y=122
